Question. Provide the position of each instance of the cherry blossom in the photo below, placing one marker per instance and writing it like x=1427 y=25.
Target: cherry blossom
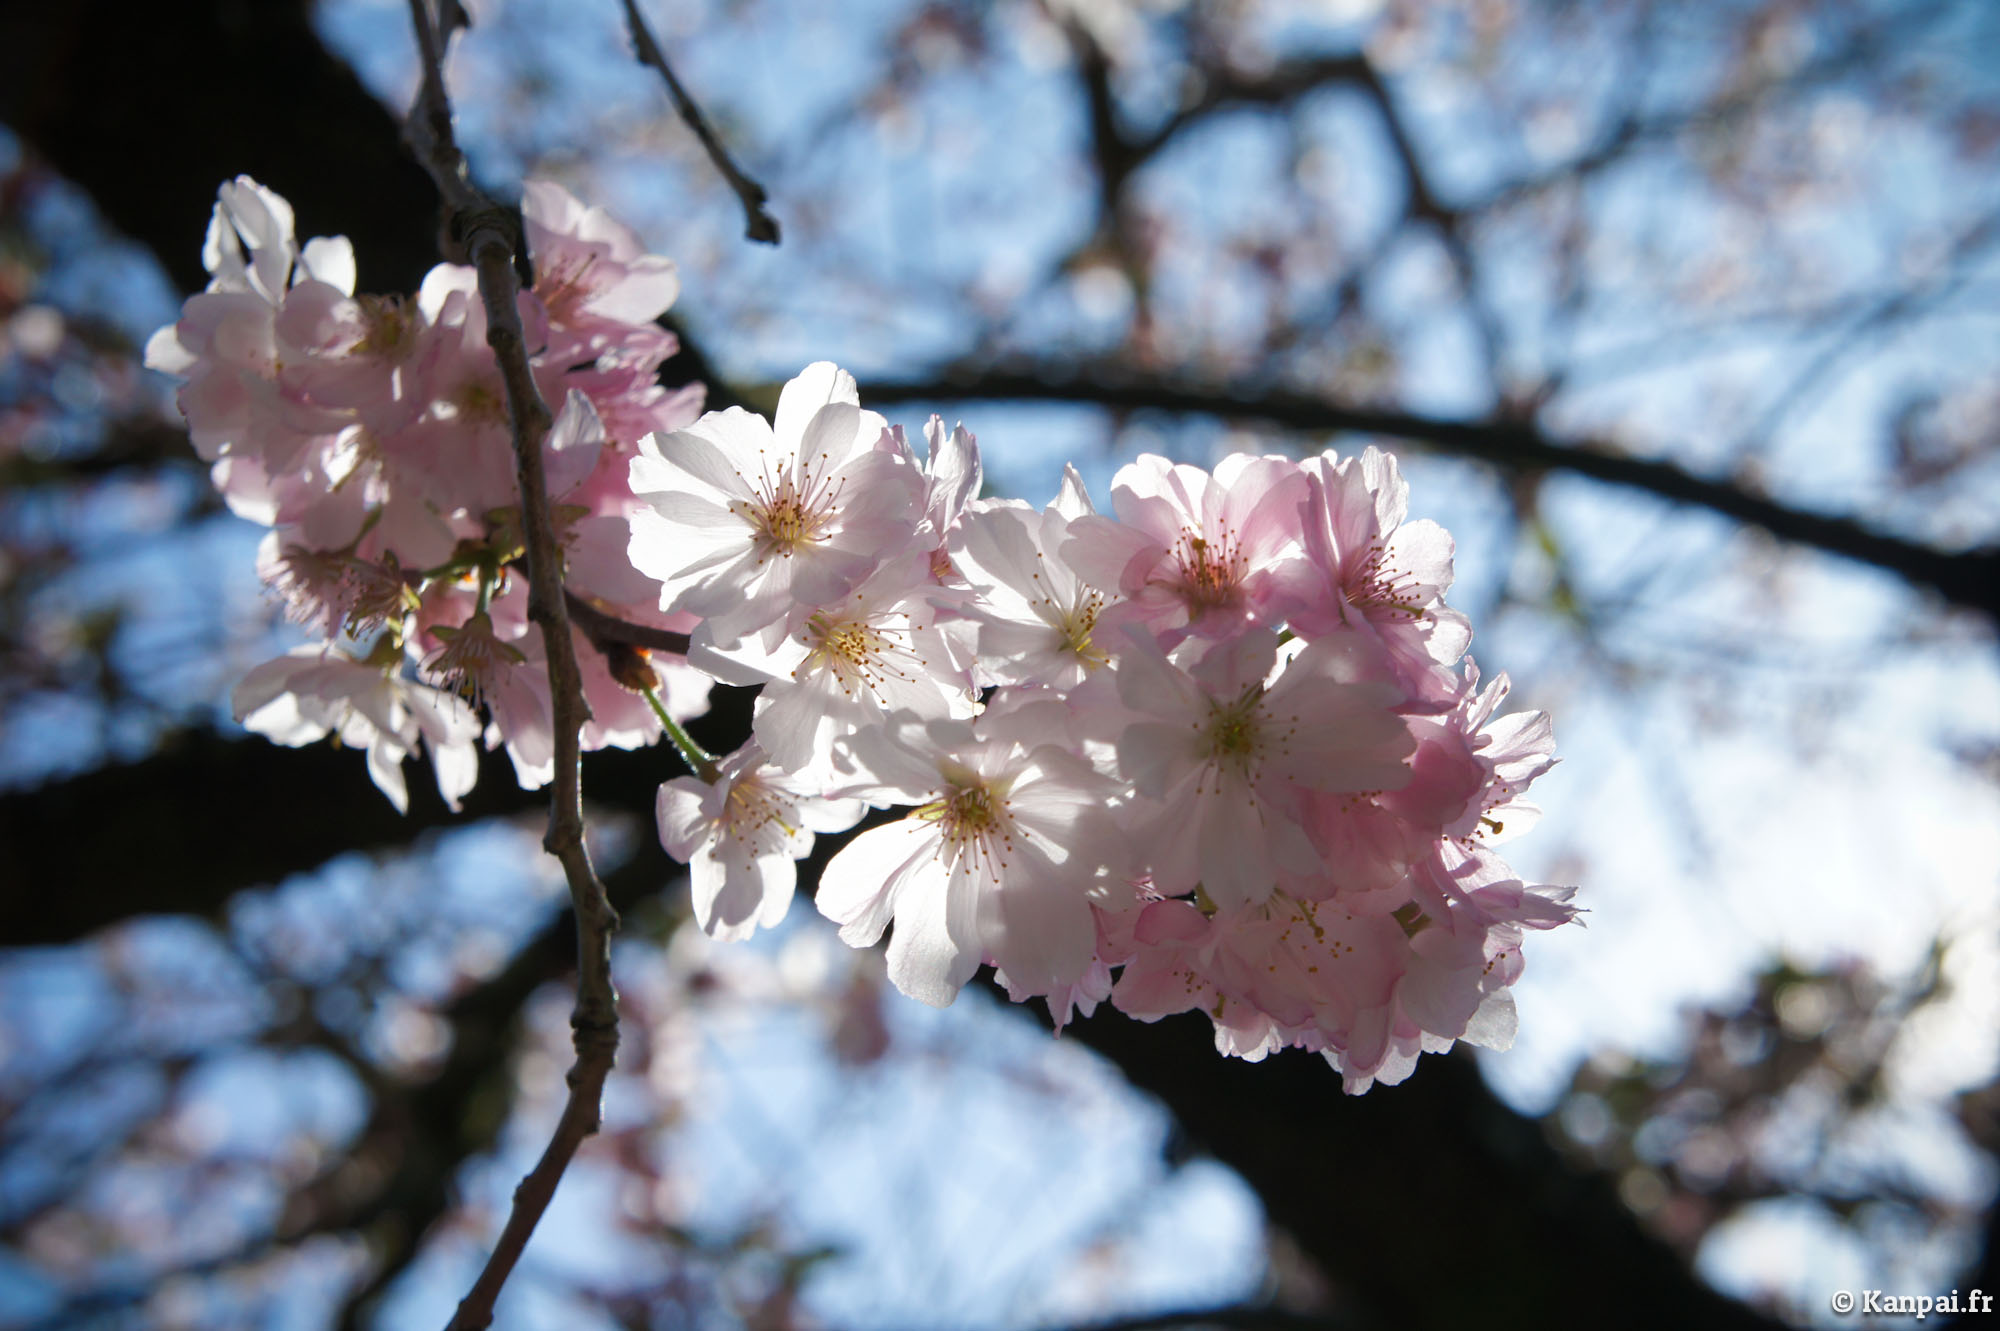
x=1191 y=550
x=740 y=837
x=1038 y=620
x=308 y=694
x=1366 y=570
x=1225 y=751
x=1219 y=750
x=744 y=519
x=999 y=862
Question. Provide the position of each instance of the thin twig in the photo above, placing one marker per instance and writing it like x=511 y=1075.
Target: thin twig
x=1949 y=276
x=758 y=224
x=488 y=236
x=605 y=630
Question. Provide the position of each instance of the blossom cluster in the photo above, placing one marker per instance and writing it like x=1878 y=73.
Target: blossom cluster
x=1219 y=748
x=370 y=435
x=1223 y=741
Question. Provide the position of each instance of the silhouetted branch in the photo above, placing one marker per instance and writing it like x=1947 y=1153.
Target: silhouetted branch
x=1968 y=578
x=1230 y=1317
x=490 y=240
x=1223 y=88
x=1374 y=1188
x=1114 y=153
x=758 y=224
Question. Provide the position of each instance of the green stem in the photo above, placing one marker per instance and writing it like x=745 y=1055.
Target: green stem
x=699 y=760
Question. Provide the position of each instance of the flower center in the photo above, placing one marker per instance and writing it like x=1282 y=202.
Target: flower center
x=1077 y=624
x=855 y=644
x=752 y=807
x=1376 y=586
x=786 y=524
x=860 y=656
x=1235 y=732
x=390 y=331
x=472 y=658
x=563 y=291
x=788 y=516
x=1211 y=570
x=480 y=403
x=969 y=812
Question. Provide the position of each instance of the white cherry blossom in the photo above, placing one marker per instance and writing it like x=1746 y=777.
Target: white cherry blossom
x=743 y=520
x=741 y=837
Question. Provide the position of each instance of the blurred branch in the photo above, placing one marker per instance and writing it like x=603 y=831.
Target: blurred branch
x=1423 y=205
x=189 y=95
x=1232 y=1317
x=758 y=224
x=1359 y=1181
x=1966 y=578
x=1114 y=153
x=1281 y=86
x=1864 y=47
x=1947 y=278
x=218 y=815
x=129 y=445
x=490 y=238
x=1118 y=155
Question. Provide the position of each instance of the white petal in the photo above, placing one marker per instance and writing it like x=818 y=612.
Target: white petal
x=856 y=889
x=935 y=948
x=818 y=384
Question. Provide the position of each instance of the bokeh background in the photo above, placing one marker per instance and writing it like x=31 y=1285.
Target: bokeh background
x=1684 y=318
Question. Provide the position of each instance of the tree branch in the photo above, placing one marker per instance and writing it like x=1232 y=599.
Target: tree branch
x=489 y=237
x=1968 y=578
x=1230 y=1317
x=758 y=224
x=1222 y=88
x=607 y=630
x=1432 y=1204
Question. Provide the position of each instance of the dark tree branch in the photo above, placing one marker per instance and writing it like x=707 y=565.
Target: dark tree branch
x=606 y=630
x=185 y=96
x=758 y=224
x=1431 y=1203
x=1968 y=578
x=1232 y=1317
x=1113 y=151
x=1226 y=88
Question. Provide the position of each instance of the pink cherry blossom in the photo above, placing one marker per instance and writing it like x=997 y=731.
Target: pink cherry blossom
x=741 y=837
x=1161 y=800
x=1038 y=621
x=951 y=472
x=744 y=521
x=999 y=862
x=1224 y=753
x=1367 y=570
x=592 y=273
x=1190 y=550
x=853 y=663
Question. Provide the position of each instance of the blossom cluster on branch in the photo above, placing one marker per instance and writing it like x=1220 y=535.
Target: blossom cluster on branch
x=370 y=434
x=1220 y=748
